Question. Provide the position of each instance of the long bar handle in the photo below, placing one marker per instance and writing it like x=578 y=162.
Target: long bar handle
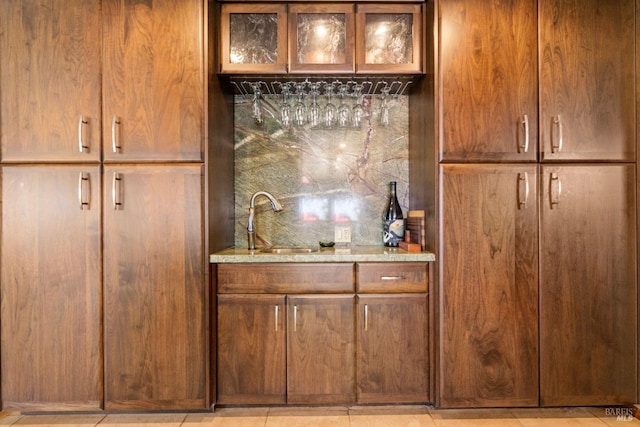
x=115 y=191
x=276 y=316
x=115 y=144
x=557 y=124
x=366 y=317
x=525 y=125
x=555 y=190
x=82 y=147
x=393 y=278
x=523 y=190
x=295 y=318
x=84 y=191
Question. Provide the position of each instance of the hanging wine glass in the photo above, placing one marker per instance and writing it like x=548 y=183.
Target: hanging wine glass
x=357 y=112
x=330 y=110
x=384 y=107
x=256 y=106
x=314 y=107
x=285 y=107
x=299 y=109
x=344 y=111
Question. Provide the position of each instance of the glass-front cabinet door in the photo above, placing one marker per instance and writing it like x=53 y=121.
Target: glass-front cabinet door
x=320 y=38
x=388 y=38
x=253 y=38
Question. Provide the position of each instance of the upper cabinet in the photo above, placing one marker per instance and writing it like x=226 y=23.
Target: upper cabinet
x=153 y=81
x=50 y=104
x=323 y=38
x=496 y=106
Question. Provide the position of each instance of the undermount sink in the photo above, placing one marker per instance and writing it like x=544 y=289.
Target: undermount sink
x=287 y=250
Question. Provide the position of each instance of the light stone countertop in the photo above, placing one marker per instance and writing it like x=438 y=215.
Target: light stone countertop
x=349 y=254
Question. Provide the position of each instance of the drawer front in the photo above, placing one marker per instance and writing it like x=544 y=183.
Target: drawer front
x=286 y=278
x=387 y=277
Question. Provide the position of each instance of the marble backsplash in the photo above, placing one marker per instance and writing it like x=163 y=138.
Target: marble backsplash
x=324 y=178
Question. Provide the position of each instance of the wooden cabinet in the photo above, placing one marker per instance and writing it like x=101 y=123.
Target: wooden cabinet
x=488 y=343
x=153 y=80
x=154 y=294
x=588 y=287
x=320 y=349
x=587 y=80
x=50 y=77
x=51 y=310
x=251 y=349
x=490 y=83
x=321 y=38
x=253 y=38
x=330 y=357
x=392 y=333
x=488 y=80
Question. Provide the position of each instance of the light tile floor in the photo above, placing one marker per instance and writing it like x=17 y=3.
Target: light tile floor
x=366 y=416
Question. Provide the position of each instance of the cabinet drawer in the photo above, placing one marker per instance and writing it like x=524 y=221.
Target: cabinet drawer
x=286 y=278
x=393 y=277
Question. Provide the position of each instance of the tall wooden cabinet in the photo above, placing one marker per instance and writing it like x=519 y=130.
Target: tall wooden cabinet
x=514 y=146
x=130 y=263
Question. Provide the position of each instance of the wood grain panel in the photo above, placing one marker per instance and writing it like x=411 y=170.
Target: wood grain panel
x=286 y=278
x=392 y=277
x=251 y=349
x=155 y=338
x=51 y=308
x=489 y=289
x=50 y=77
x=587 y=72
x=321 y=349
x=488 y=69
x=588 y=286
x=392 y=349
x=153 y=59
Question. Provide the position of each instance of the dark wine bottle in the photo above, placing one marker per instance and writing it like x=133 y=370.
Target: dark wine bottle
x=393 y=229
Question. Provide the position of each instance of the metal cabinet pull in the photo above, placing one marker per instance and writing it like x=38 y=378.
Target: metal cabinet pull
x=393 y=278
x=84 y=191
x=555 y=190
x=557 y=124
x=295 y=317
x=523 y=190
x=366 y=317
x=115 y=191
x=115 y=145
x=82 y=147
x=524 y=147
x=277 y=309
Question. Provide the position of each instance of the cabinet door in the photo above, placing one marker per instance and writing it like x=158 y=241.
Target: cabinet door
x=251 y=349
x=588 y=300
x=392 y=350
x=320 y=349
x=153 y=87
x=488 y=80
x=154 y=288
x=489 y=286
x=320 y=38
x=587 y=80
x=51 y=308
x=50 y=79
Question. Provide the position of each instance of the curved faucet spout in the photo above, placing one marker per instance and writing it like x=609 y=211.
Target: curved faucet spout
x=251 y=231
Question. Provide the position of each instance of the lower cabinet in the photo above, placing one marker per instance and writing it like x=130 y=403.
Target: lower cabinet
x=51 y=288
x=300 y=340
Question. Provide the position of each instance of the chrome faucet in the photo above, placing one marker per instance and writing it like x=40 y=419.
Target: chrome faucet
x=251 y=230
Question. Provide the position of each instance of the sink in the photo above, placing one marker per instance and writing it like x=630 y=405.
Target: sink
x=287 y=250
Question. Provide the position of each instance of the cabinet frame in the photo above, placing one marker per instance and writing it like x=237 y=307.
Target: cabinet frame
x=415 y=65
x=295 y=10
x=227 y=9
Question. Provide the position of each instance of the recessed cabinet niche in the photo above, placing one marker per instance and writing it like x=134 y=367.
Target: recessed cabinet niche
x=319 y=38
